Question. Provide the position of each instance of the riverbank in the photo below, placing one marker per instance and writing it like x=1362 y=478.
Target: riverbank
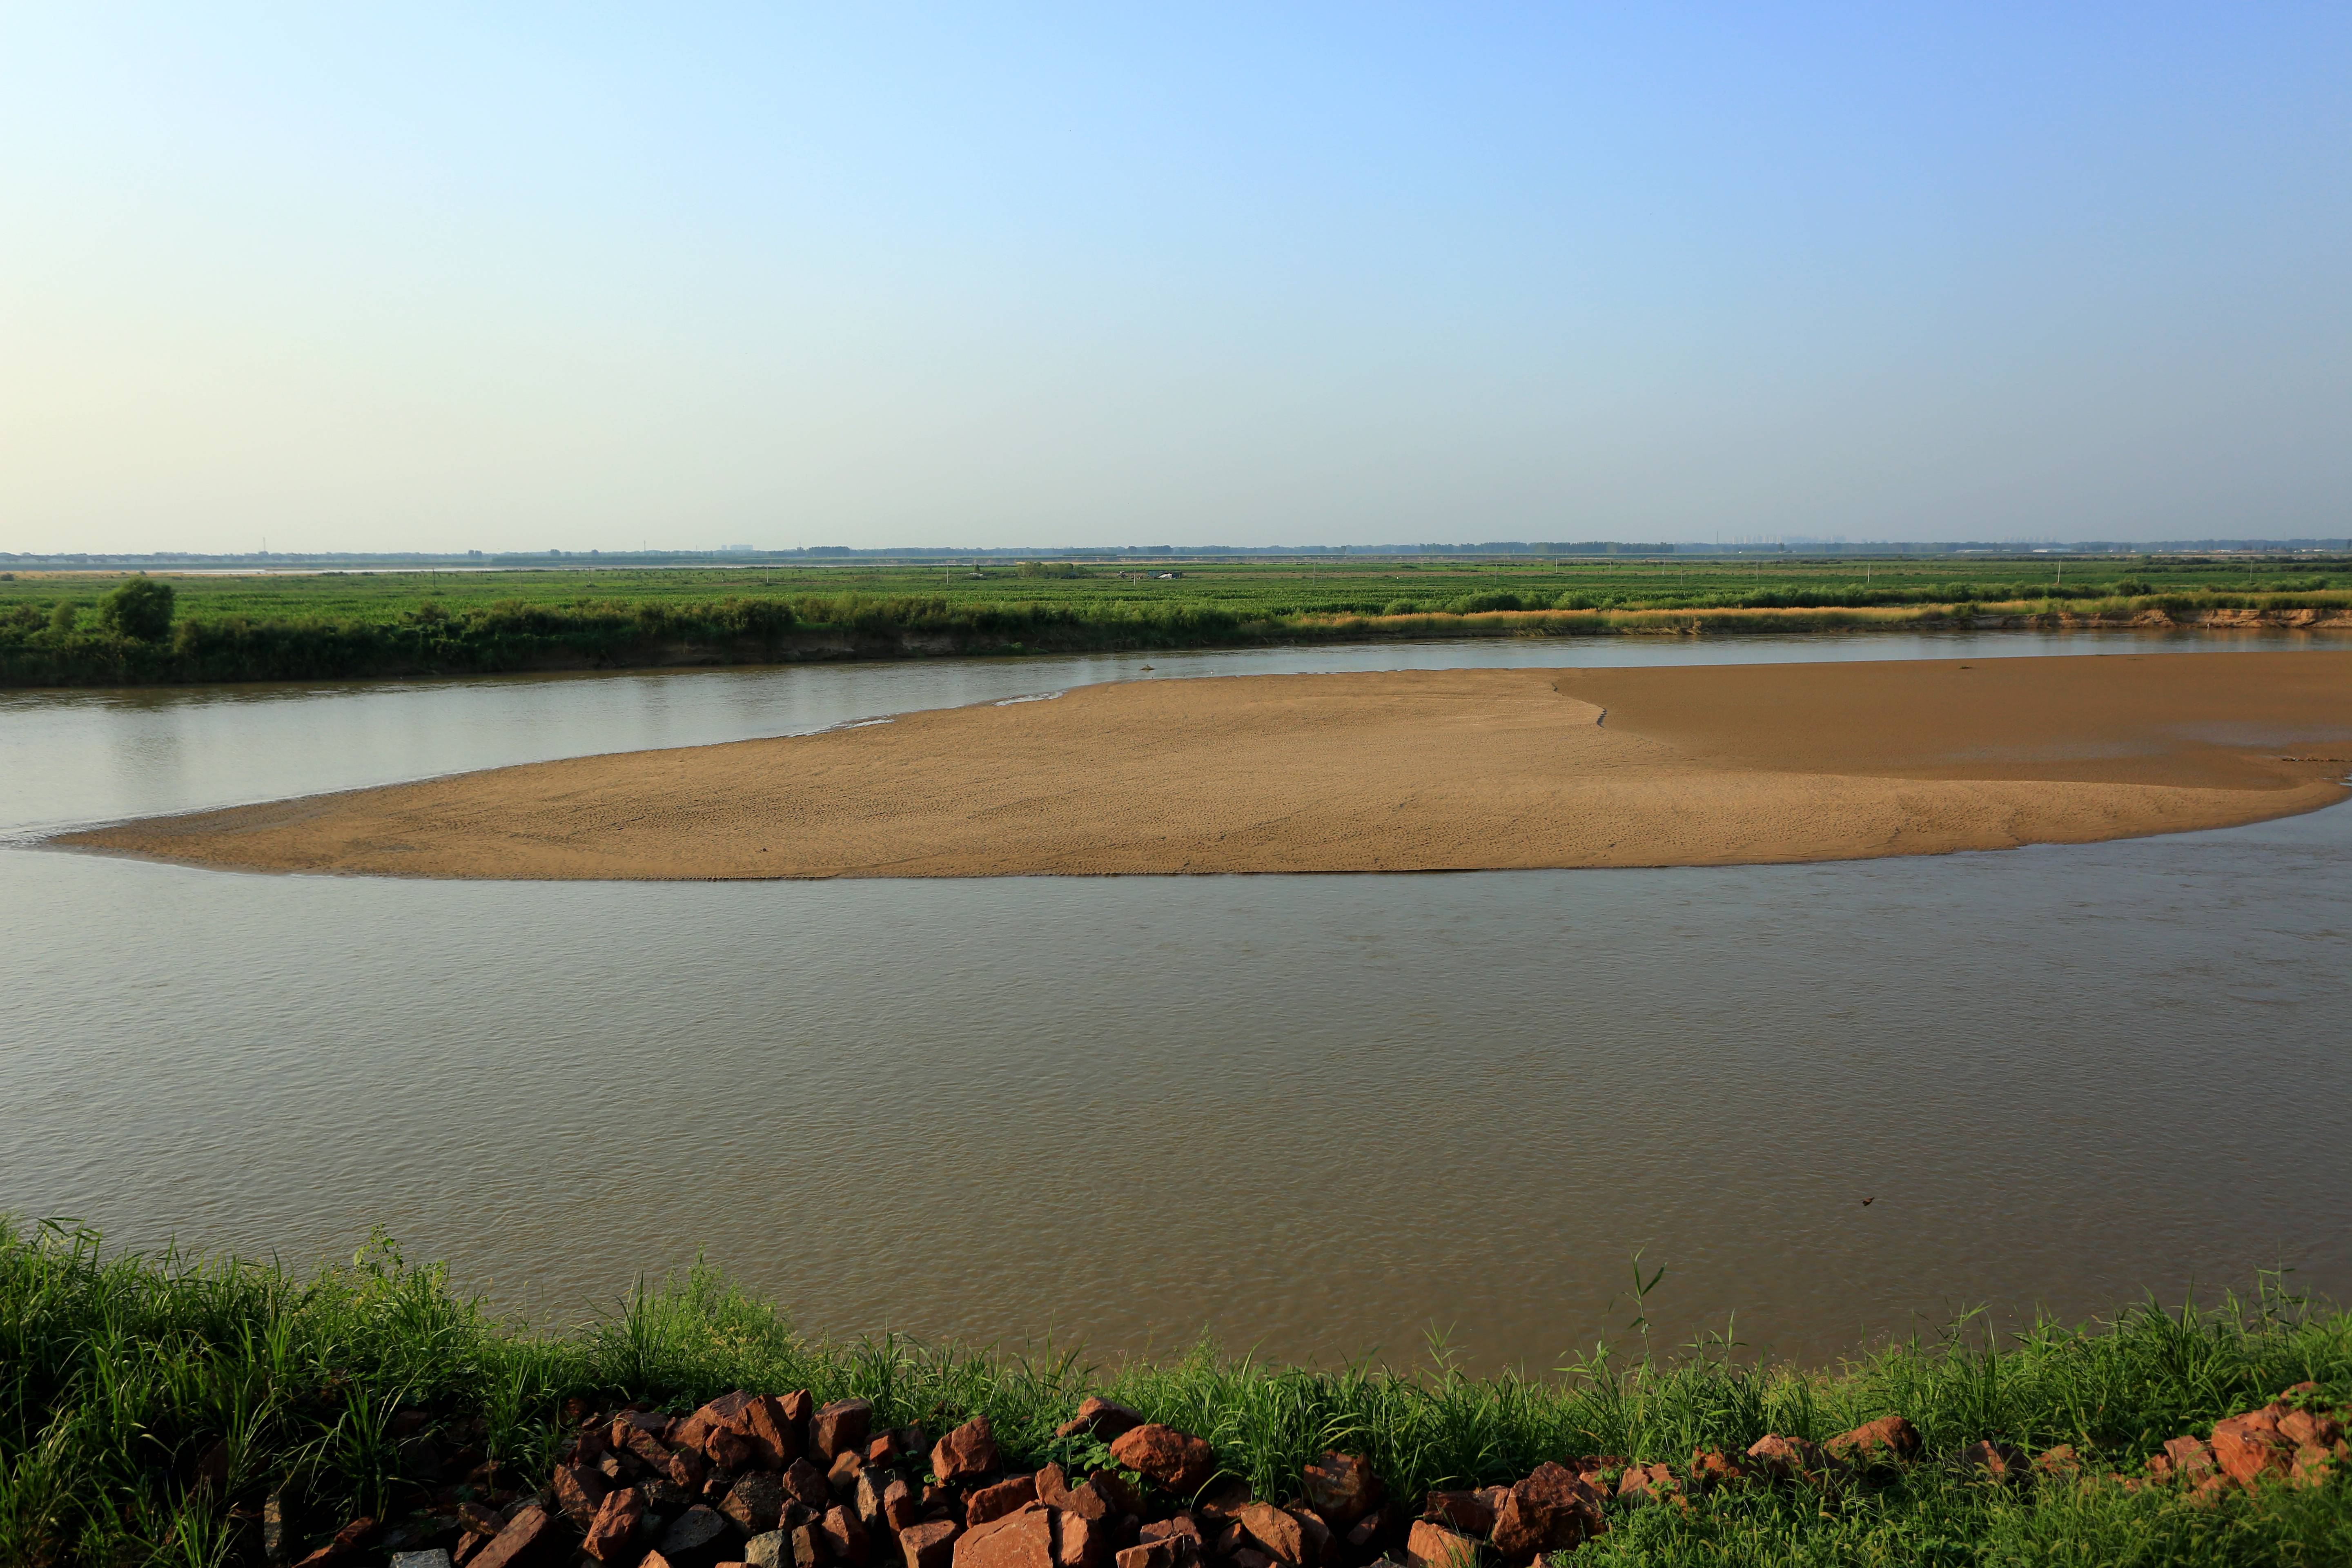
x=53 y=645
x=1404 y=771
x=174 y=1409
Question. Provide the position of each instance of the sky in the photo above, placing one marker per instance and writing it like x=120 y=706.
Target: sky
x=585 y=275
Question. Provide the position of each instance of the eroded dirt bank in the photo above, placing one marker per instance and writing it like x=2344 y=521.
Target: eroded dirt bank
x=1418 y=771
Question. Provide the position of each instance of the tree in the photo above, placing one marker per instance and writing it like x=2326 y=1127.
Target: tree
x=139 y=607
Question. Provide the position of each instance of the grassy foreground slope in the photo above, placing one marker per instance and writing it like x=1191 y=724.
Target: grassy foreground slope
x=65 y=629
x=149 y=1405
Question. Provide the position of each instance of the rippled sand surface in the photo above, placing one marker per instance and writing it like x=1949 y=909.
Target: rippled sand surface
x=1454 y=770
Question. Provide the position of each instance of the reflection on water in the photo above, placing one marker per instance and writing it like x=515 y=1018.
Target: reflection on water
x=1315 y=1114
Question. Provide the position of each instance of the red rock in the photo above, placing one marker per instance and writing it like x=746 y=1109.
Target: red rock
x=1342 y=1488
x=805 y=1482
x=686 y=1470
x=847 y=1466
x=2060 y=1460
x=1115 y=1490
x=1055 y=1490
x=1161 y=1553
x=1277 y=1533
x=2311 y=1428
x=841 y=1427
x=995 y=1503
x=798 y=1408
x=643 y=1447
x=1022 y=1539
x=579 y=1491
x=881 y=1450
x=346 y=1543
x=755 y=1502
x=652 y=1423
x=727 y=1448
x=900 y=1509
x=1100 y=1418
x=966 y=1453
x=2314 y=1465
x=694 y=1431
x=2185 y=1460
x=1888 y=1439
x=808 y=1545
x=1785 y=1458
x=1472 y=1513
x=1432 y=1545
x=844 y=1538
x=866 y=1496
x=1366 y=1531
x=775 y=1441
x=696 y=1536
x=1179 y=1531
x=523 y=1533
x=1318 y=1533
x=475 y=1519
x=2249 y=1446
x=1715 y=1468
x=930 y=1544
x=1080 y=1541
x=1646 y=1483
x=1176 y=1461
x=1992 y=1460
x=611 y=1536
x=1552 y=1511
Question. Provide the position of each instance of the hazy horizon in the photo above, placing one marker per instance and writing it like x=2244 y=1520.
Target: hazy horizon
x=451 y=279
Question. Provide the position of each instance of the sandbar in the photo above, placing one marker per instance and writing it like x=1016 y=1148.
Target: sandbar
x=1420 y=771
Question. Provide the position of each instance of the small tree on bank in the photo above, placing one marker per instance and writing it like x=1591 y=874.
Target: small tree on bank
x=139 y=607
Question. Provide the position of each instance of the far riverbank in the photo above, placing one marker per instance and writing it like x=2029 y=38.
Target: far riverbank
x=426 y=640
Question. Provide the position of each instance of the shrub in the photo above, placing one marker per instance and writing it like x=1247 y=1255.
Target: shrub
x=140 y=608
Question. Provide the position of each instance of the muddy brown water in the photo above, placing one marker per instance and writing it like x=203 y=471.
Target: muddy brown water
x=1319 y=1116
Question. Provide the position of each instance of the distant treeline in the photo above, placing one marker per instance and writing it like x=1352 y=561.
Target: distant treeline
x=70 y=646
x=133 y=634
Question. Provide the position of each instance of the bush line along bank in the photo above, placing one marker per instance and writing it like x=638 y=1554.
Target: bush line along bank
x=158 y=1408
x=134 y=637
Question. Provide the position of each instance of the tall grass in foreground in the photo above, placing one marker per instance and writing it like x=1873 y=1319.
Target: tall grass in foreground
x=121 y=1374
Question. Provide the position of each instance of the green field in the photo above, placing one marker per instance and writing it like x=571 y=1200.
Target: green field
x=1248 y=588
x=375 y=1389
x=56 y=628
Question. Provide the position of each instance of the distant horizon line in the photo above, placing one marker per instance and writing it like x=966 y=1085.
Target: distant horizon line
x=844 y=555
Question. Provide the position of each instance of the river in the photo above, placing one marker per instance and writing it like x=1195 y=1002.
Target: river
x=1319 y=1117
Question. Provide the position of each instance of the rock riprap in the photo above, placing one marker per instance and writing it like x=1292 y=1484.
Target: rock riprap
x=777 y=1481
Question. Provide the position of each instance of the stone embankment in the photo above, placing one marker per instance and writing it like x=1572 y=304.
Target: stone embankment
x=763 y=1481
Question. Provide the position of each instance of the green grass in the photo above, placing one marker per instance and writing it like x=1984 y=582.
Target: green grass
x=118 y=1372
x=54 y=629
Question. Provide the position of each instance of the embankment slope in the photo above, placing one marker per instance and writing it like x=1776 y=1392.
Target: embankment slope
x=1415 y=770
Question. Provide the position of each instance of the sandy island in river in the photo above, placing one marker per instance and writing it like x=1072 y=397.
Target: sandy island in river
x=1453 y=770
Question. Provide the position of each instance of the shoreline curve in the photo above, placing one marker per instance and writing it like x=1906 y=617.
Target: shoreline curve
x=1410 y=771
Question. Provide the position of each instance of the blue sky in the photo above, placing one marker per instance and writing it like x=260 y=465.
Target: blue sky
x=582 y=276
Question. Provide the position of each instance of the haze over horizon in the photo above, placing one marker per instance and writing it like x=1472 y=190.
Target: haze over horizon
x=444 y=279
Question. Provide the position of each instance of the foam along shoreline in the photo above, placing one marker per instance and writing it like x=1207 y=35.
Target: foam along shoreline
x=1457 y=770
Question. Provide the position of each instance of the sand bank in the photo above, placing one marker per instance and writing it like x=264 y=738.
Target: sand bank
x=1422 y=771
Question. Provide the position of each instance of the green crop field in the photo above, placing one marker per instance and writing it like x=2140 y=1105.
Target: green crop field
x=70 y=628
x=1248 y=586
